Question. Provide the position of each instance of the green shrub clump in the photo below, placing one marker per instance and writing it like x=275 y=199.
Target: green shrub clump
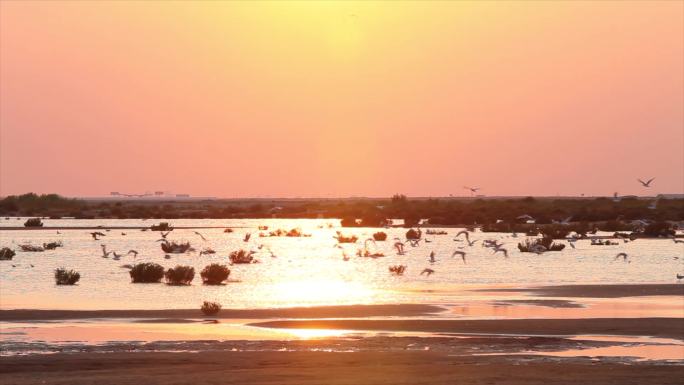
x=66 y=277
x=147 y=272
x=214 y=274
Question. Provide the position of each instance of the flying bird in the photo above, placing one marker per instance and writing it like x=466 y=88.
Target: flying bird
x=624 y=256
x=97 y=234
x=461 y=253
x=105 y=253
x=428 y=272
x=201 y=236
x=646 y=184
x=247 y=236
x=473 y=190
x=165 y=234
x=502 y=250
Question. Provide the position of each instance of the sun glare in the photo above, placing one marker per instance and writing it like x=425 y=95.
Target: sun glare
x=316 y=291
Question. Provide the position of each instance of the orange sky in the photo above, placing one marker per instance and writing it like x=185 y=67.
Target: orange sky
x=337 y=99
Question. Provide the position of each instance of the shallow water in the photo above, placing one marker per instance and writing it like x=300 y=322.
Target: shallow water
x=307 y=270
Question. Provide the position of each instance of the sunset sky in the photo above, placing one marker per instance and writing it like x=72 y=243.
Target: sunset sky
x=283 y=99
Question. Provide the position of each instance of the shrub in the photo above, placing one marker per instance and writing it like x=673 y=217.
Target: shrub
x=6 y=254
x=210 y=308
x=52 y=245
x=414 y=234
x=380 y=236
x=162 y=226
x=214 y=274
x=345 y=239
x=241 y=256
x=31 y=248
x=175 y=247
x=66 y=277
x=180 y=275
x=33 y=222
x=147 y=272
x=349 y=222
x=659 y=229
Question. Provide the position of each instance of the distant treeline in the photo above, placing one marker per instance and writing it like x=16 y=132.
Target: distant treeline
x=497 y=213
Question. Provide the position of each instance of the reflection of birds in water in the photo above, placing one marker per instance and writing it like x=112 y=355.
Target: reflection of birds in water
x=97 y=234
x=647 y=183
x=247 y=236
x=432 y=257
x=427 y=271
x=624 y=256
x=201 y=236
x=461 y=253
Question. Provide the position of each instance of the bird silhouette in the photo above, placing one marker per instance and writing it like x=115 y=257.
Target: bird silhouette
x=647 y=183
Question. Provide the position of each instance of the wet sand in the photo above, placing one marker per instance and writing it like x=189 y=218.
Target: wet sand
x=404 y=310
x=654 y=327
x=323 y=368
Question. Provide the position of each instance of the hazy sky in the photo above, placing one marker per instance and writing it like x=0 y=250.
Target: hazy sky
x=338 y=99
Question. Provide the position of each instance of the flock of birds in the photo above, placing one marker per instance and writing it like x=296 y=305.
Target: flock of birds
x=462 y=237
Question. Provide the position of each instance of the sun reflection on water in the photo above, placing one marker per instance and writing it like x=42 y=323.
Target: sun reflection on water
x=317 y=291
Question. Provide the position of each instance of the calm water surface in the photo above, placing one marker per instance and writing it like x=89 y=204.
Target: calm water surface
x=306 y=271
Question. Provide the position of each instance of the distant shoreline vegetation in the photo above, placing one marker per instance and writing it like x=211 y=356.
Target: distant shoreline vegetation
x=503 y=214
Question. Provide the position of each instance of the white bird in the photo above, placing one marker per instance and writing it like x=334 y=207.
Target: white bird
x=427 y=271
x=502 y=250
x=653 y=205
x=400 y=248
x=565 y=221
x=467 y=237
x=473 y=190
x=461 y=253
x=646 y=184
x=526 y=217
x=105 y=253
